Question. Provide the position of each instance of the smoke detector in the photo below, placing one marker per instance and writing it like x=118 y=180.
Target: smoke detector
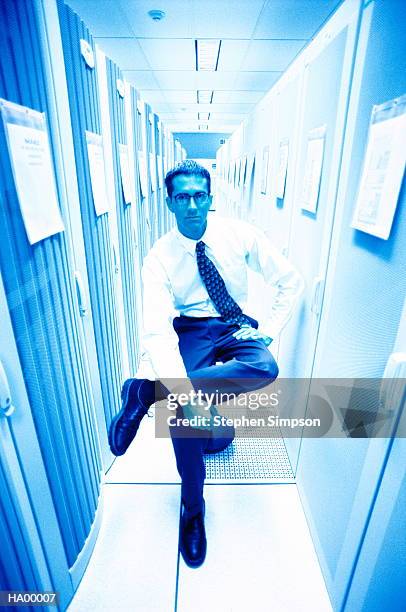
x=156 y=15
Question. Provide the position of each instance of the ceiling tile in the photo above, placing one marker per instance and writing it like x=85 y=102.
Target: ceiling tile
x=94 y=12
x=292 y=19
x=180 y=97
x=223 y=19
x=176 y=24
x=125 y=52
x=271 y=55
x=232 y=53
x=238 y=96
x=222 y=96
x=169 y=54
x=176 y=79
x=227 y=116
x=216 y=80
x=257 y=81
x=141 y=79
x=179 y=116
x=153 y=96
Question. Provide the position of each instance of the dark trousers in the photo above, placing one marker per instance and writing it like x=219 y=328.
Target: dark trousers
x=246 y=365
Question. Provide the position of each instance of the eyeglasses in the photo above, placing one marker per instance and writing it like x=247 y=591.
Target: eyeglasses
x=200 y=198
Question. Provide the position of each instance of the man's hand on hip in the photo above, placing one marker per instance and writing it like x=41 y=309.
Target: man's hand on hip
x=246 y=332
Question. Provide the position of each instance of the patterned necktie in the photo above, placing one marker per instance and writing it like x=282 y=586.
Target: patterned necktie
x=224 y=303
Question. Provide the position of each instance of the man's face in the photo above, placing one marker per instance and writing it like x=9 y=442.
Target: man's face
x=190 y=212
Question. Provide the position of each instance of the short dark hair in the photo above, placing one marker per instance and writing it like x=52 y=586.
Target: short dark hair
x=187 y=166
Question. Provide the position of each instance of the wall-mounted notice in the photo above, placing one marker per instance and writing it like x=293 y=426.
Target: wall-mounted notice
x=97 y=175
x=125 y=172
x=30 y=156
x=142 y=168
x=152 y=171
x=282 y=168
x=264 y=173
x=313 y=168
x=383 y=170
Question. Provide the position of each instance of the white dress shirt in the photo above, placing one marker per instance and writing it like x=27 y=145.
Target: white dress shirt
x=172 y=285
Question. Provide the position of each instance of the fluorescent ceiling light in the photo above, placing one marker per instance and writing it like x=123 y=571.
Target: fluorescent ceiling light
x=203 y=126
x=207 y=54
x=204 y=96
x=203 y=116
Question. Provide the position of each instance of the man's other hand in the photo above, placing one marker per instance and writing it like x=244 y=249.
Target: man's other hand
x=247 y=332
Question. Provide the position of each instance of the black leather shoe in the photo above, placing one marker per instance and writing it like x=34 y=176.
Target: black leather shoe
x=125 y=424
x=192 y=540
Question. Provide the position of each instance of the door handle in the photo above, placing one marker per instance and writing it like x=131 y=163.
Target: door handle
x=6 y=407
x=81 y=294
x=392 y=390
x=317 y=291
x=115 y=264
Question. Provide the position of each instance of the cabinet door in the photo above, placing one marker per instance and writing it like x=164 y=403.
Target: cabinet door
x=327 y=68
x=101 y=269
x=42 y=302
x=126 y=230
x=378 y=582
x=32 y=555
x=363 y=303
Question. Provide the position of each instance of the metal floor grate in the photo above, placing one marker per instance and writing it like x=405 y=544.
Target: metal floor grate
x=250 y=459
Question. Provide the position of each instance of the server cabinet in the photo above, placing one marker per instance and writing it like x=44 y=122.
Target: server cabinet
x=152 y=172
x=326 y=65
x=85 y=112
x=42 y=302
x=340 y=480
x=143 y=164
x=161 y=206
x=32 y=556
x=142 y=210
x=377 y=582
x=126 y=232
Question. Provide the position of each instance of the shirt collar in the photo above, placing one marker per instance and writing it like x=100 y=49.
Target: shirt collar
x=189 y=244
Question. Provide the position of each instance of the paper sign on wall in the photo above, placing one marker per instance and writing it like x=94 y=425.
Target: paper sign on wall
x=97 y=175
x=125 y=173
x=383 y=171
x=313 y=168
x=282 y=169
x=30 y=156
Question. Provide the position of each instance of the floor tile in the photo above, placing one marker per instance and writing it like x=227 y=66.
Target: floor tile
x=134 y=563
x=148 y=459
x=260 y=555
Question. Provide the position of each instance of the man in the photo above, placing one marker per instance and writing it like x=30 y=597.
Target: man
x=194 y=294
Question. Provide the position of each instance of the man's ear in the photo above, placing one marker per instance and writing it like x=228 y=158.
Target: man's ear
x=169 y=203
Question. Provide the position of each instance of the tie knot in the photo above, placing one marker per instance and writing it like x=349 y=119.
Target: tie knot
x=200 y=246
